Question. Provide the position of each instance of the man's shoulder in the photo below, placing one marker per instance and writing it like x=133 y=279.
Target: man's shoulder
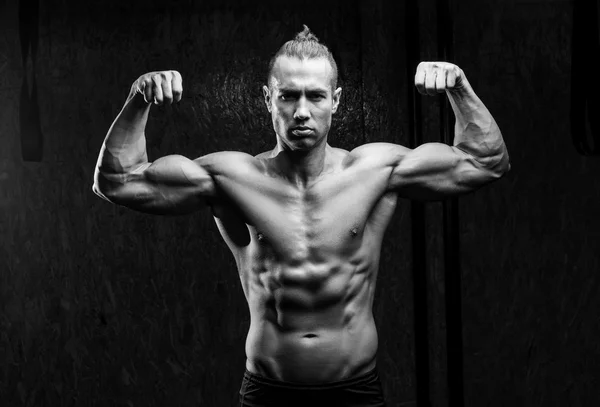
x=227 y=161
x=379 y=153
x=265 y=154
x=380 y=147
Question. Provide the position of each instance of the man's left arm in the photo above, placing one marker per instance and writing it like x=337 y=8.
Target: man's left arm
x=478 y=156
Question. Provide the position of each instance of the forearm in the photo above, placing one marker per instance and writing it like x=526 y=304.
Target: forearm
x=124 y=147
x=476 y=131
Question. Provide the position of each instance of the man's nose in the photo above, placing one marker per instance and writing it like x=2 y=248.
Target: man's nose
x=301 y=112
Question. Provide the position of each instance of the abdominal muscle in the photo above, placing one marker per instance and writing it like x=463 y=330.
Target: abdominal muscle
x=329 y=356
x=312 y=336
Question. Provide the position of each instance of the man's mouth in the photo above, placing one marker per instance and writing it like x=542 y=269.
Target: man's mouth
x=301 y=131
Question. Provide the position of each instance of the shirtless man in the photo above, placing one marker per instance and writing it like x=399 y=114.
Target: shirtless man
x=305 y=220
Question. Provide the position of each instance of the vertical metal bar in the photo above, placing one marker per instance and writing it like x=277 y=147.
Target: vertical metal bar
x=32 y=140
x=417 y=214
x=585 y=49
x=362 y=73
x=454 y=340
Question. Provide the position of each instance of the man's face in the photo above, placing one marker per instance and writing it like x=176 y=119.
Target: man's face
x=301 y=101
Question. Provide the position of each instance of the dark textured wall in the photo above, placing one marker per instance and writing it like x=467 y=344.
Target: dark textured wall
x=530 y=243
x=100 y=305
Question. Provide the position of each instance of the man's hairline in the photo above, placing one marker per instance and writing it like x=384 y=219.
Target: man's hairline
x=333 y=86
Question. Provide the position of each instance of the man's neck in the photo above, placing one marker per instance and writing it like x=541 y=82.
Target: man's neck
x=302 y=168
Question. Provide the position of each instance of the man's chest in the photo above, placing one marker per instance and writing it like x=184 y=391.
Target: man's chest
x=330 y=216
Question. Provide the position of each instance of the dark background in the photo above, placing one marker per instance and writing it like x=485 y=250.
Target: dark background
x=103 y=306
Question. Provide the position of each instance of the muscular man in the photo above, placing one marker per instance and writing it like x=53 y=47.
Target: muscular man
x=304 y=220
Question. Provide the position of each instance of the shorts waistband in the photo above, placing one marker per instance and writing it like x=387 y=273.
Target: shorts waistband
x=265 y=381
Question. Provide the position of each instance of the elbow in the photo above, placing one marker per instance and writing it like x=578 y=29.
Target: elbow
x=105 y=185
x=100 y=187
x=498 y=164
x=504 y=161
x=104 y=194
x=503 y=165
x=499 y=170
x=96 y=185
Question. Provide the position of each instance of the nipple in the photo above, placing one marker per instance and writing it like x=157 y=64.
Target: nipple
x=261 y=237
x=354 y=232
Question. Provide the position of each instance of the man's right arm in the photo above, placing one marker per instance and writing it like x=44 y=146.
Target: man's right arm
x=170 y=185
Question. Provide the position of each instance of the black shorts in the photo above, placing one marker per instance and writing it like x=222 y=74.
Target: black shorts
x=360 y=391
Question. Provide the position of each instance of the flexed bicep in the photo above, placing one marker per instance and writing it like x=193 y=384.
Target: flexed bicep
x=171 y=185
x=434 y=171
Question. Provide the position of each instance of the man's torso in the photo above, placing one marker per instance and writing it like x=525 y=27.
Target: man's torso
x=308 y=261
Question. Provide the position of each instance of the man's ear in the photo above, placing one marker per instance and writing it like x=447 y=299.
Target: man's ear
x=336 y=99
x=267 y=93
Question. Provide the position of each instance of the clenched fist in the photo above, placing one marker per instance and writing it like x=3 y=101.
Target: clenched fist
x=161 y=87
x=437 y=77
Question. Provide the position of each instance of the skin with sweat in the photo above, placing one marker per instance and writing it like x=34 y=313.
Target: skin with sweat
x=304 y=221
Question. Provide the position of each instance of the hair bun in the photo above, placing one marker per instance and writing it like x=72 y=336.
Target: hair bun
x=306 y=35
